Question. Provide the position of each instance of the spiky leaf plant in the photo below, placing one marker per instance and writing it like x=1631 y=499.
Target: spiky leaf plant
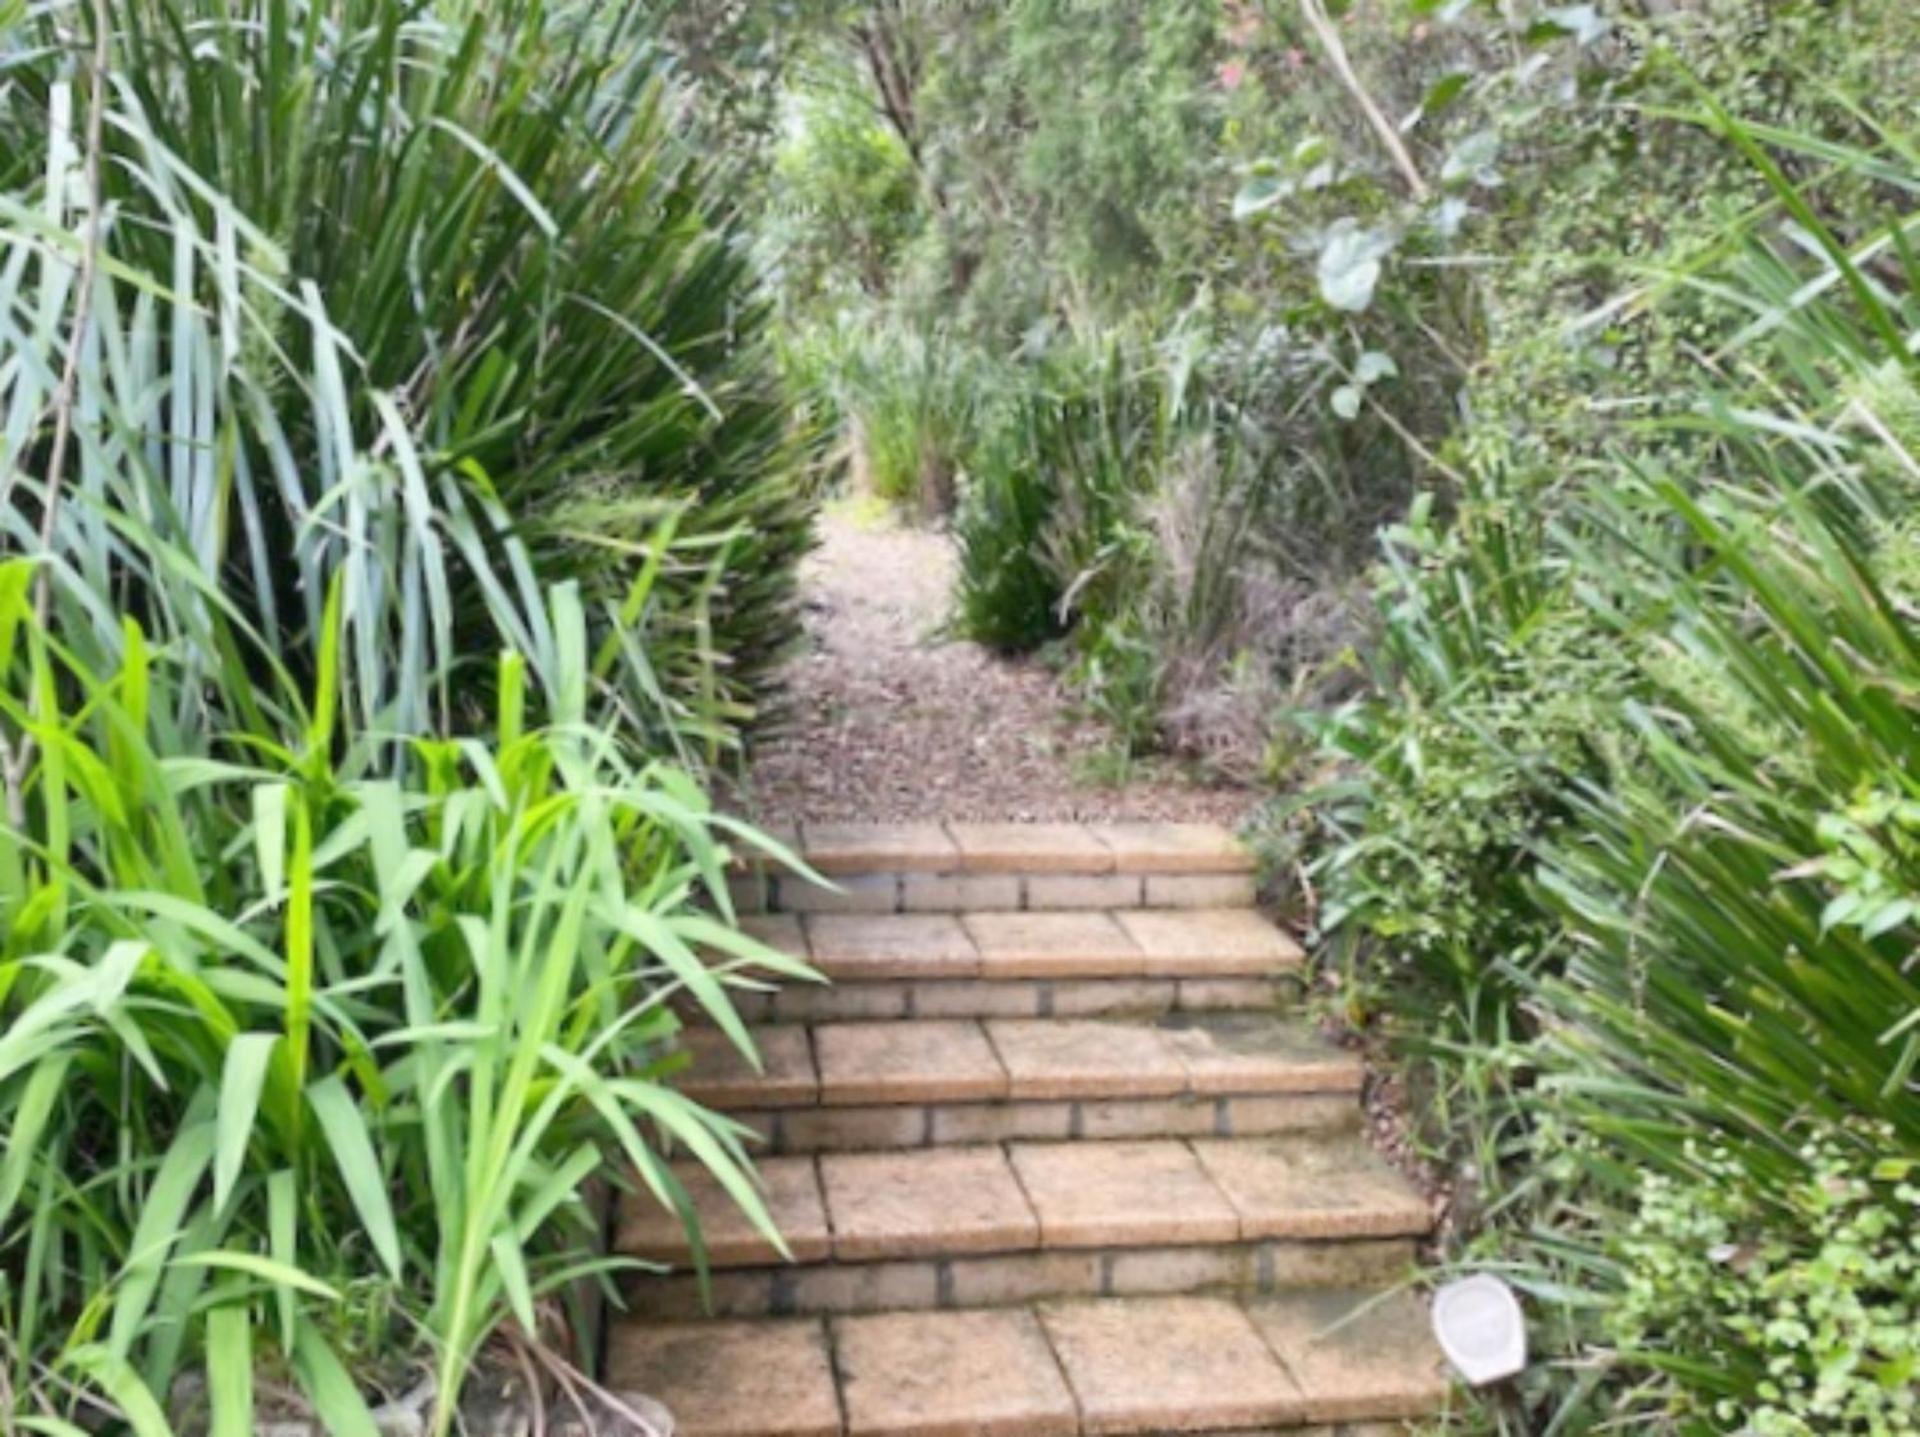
x=396 y=524
x=430 y=295
x=306 y=1070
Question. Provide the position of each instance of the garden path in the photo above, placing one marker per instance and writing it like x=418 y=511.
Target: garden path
x=891 y=717
x=1059 y=1152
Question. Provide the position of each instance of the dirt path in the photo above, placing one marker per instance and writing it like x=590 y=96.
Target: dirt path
x=890 y=719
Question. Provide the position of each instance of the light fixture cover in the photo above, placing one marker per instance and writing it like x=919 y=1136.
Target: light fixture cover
x=1481 y=1328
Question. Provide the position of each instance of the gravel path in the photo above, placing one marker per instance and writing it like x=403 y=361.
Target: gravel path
x=890 y=719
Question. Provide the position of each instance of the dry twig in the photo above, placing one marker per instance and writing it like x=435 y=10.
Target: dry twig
x=1329 y=37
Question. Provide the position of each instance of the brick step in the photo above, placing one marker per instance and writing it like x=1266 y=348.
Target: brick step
x=958 y=867
x=988 y=1225
x=907 y=1126
x=1333 y=1363
x=1012 y=964
x=890 y=1000
x=827 y=1086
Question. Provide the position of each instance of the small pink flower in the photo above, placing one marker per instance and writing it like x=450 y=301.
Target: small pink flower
x=1232 y=74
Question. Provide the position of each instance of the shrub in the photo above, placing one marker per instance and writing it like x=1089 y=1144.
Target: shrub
x=1055 y=486
x=1789 y=1312
x=407 y=523
x=1132 y=496
x=1714 y=889
x=306 y=1069
x=496 y=328
x=1491 y=695
x=1681 y=910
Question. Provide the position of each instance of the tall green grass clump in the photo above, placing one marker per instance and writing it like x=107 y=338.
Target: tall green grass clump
x=474 y=227
x=398 y=524
x=1053 y=479
x=307 y=1072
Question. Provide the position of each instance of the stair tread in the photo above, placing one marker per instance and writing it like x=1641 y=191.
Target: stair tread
x=1008 y=944
x=852 y=849
x=983 y=1371
x=1030 y=848
x=1127 y=1194
x=836 y=849
x=854 y=947
x=1105 y=1365
x=1022 y=1059
x=939 y=1203
x=942 y=1202
x=1174 y=848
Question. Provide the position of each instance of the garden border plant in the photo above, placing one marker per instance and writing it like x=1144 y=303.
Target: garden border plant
x=378 y=617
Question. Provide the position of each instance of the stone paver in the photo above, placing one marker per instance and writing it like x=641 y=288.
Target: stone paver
x=955 y=1374
x=928 y=1202
x=1029 y=848
x=842 y=848
x=1110 y=997
x=1180 y=1364
x=1173 y=848
x=853 y=893
x=1357 y=1357
x=841 y=1002
x=790 y=1189
x=1053 y=945
x=1246 y=1053
x=959 y=892
x=721 y=1076
x=1046 y=891
x=1086 y=1058
x=1216 y=942
x=867 y=947
x=880 y=1063
x=814 y=1130
x=1312 y=1187
x=1122 y=1194
x=731 y=1379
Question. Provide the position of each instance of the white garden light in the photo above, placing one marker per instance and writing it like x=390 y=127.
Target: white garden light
x=1481 y=1328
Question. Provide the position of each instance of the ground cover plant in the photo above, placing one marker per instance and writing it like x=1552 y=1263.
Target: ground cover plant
x=431 y=264
x=399 y=520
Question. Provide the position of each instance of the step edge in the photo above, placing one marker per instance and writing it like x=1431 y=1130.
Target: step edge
x=680 y=1264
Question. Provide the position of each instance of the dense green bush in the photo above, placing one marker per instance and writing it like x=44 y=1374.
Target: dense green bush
x=909 y=402
x=1645 y=744
x=1130 y=496
x=1490 y=697
x=308 y=1070
x=399 y=516
x=506 y=283
x=1056 y=481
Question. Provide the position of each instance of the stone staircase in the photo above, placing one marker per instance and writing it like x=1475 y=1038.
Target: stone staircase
x=1048 y=1158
